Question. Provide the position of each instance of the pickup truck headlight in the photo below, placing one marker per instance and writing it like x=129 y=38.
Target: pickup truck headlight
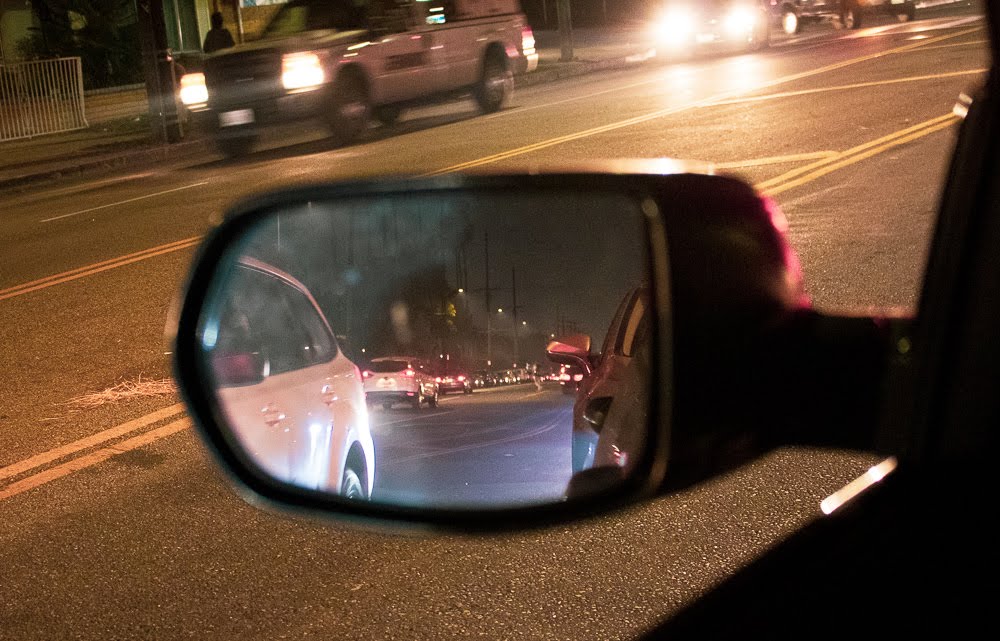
x=193 y=90
x=675 y=27
x=740 y=21
x=301 y=71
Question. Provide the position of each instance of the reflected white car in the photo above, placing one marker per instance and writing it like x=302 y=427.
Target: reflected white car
x=295 y=401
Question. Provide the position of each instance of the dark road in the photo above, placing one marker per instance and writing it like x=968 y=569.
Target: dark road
x=114 y=522
x=496 y=447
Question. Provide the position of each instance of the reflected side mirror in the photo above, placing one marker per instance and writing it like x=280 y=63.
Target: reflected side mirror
x=571 y=350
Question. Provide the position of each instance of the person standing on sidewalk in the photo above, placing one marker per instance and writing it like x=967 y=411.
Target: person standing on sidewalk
x=218 y=37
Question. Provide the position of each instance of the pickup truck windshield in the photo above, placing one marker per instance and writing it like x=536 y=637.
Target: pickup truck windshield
x=311 y=15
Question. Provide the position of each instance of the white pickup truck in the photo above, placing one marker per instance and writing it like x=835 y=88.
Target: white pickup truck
x=342 y=62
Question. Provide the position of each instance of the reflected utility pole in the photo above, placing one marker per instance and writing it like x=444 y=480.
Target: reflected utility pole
x=489 y=310
x=513 y=289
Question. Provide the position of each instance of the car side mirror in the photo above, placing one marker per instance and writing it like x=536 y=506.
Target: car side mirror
x=732 y=360
x=571 y=350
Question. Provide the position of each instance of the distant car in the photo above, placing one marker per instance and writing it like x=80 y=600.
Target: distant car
x=612 y=396
x=295 y=401
x=454 y=382
x=400 y=379
x=792 y=15
x=683 y=26
x=481 y=379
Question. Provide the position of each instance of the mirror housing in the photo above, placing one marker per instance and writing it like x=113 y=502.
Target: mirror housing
x=571 y=350
x=725 y=288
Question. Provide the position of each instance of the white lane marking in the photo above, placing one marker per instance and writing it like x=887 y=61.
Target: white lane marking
x=123 y=202
x=94 y=439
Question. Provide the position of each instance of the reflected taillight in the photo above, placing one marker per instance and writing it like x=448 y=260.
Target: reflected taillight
x=410 y=373
x=437 y=380
x=367 y=373
x=461 y=378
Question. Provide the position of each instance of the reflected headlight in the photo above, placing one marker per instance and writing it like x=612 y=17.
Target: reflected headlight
x=301 y=71
x=193 y=90
x=676 y=26
x=740 y=21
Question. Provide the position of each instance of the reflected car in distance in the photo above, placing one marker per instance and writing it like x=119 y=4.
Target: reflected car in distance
x=400 y=379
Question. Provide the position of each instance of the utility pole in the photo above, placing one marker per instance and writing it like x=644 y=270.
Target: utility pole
x=489 y=309
x=513 y=291
x=565 y=30
x=158 y=70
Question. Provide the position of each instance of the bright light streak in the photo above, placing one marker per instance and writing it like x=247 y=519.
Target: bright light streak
x=857 y=486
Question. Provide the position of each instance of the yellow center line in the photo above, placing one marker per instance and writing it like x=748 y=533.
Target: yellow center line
x=958 y=44
x=100 y=264
x=94 y=439
x=775 y=160
x=96 y=268
x=856 y=85
x=551 y=142
x=794 y=173
x=93 y=458
x=852 y=156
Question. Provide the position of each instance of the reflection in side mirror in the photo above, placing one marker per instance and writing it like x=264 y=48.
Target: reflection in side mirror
x=406 y=338
x=236 y=369
x=571 y=350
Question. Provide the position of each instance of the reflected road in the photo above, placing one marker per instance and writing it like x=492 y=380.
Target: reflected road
x=496 y=446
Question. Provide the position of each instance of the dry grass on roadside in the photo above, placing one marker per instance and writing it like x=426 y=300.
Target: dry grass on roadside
x=124 y=391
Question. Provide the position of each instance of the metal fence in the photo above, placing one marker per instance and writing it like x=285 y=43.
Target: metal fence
x=41 y=97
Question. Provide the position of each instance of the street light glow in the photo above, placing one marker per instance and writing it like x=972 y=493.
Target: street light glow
x=524 y=322
x=499 y=310
x=461 y=290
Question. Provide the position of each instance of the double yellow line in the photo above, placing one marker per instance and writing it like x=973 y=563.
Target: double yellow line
x=96 y=268
x=812 y=171
x=94 y=457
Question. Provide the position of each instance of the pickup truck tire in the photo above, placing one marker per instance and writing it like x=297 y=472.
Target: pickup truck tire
x=790 y=22
x=388 y=115
x=850 y=15
x=235 y=146
x=496 y=84
x=349 y=109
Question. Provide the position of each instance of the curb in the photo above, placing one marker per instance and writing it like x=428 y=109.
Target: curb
x=124 y=158
x=161 y=153
x=563 y=70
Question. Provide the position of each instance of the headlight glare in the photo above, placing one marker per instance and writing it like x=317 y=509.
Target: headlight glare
x=193 y=89
x=301 y=71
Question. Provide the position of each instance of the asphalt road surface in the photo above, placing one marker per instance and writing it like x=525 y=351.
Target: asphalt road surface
x=497 y=447
x=115 y=524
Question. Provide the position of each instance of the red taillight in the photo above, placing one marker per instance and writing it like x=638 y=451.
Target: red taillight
x=367 y=374
x=438 y=379
x=527 y=40
x=461 y=378
x=410 y=373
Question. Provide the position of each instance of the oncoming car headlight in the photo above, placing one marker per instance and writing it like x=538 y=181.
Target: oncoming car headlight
x=740 y=21
x=193 y=90
x=301 y=71
x=675 y=27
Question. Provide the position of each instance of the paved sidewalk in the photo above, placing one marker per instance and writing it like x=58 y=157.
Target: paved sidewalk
x=128 y=142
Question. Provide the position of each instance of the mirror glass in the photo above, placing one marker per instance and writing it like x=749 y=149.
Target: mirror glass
x=442 y=349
